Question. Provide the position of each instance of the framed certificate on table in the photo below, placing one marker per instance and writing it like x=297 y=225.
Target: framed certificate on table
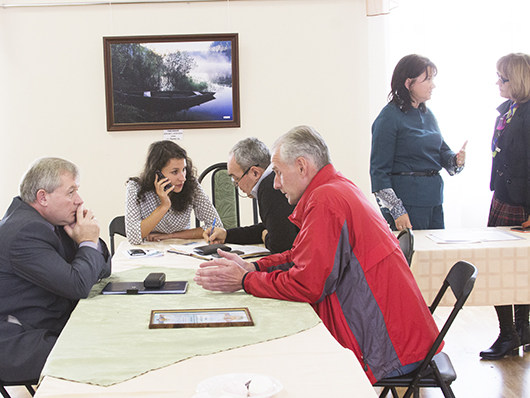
x=214 y=317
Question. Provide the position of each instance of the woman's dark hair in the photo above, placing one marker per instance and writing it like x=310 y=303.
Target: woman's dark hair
x=158 y=156
x=408 y=67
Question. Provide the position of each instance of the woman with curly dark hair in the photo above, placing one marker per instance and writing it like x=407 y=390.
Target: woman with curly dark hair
x=159 y=202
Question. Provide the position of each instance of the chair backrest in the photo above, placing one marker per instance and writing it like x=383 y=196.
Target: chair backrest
x=225 y=197
x=461 y=279
x=406 y=243
x=116 y=226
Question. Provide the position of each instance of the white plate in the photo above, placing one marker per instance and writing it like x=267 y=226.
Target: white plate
x=213 y=385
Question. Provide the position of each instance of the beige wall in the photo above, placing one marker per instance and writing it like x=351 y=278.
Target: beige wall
x=301 y=62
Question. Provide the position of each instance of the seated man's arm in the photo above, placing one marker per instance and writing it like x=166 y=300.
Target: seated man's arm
x=306 y=271
x=275 y=210
x=35 y=257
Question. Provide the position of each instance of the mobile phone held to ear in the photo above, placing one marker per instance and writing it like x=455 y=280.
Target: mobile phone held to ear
x=163 y=177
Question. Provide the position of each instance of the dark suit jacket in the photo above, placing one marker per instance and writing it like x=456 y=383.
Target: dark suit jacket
x=510 y=172
x=274 y=210
x=42 y=276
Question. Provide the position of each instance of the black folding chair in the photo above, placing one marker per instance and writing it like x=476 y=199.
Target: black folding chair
x=28 y=384
x=225 y=197
x=406 y=243
x=436 y=370
x=116 y=226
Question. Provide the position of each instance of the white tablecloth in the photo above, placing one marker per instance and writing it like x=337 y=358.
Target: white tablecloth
x=308 y=364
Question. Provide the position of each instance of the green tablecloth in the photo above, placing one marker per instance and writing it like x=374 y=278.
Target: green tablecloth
x=107 y=339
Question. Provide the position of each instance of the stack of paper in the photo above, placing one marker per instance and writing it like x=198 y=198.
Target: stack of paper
x=471 y=236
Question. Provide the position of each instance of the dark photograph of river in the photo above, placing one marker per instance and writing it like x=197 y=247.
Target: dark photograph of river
x=172 y=82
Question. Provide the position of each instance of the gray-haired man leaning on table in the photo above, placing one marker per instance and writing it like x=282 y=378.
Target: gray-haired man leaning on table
x=250 y=169
x=50 y=257
x=345 y=262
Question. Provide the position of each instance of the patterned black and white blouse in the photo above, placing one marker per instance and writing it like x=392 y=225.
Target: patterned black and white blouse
x=172 y=221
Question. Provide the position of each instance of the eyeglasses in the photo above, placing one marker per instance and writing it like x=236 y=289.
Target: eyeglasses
x=503 y=79
x=235 y=182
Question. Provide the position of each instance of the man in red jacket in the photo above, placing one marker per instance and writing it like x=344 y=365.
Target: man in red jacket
x=345 y=262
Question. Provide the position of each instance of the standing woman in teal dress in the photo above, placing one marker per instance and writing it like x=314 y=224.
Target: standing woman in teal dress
x=408 y=151
x=510 y=182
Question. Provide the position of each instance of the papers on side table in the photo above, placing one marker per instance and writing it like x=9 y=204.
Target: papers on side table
x=471 y=236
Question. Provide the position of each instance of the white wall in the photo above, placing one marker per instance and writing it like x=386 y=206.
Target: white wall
x=301 y=62
x=464 y=39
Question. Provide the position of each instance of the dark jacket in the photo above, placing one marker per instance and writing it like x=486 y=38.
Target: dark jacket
x=42 y=276
x=274 y=210
x=510 y=172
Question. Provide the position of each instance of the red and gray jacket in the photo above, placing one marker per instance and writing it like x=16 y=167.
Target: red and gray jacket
x=347 y=263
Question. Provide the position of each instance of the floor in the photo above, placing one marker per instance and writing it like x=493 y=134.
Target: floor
x=474 y=329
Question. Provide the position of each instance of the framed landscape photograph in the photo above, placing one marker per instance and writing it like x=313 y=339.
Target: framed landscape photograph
x=200 y=318
x=171 y=82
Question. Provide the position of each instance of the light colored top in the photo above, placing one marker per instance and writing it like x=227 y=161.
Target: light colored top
x=172 y=221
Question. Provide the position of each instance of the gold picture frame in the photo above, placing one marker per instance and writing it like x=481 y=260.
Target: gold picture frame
x=200 y=318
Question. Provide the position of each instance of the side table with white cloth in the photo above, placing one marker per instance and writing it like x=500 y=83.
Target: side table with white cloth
x=107 y=349
x=501 y=256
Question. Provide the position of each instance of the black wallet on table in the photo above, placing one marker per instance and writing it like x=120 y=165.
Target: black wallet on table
x=211 y=249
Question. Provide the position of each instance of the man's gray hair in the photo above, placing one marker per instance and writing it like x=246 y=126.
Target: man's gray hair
x=303 y=141
x=251 y=152
x=45 y=173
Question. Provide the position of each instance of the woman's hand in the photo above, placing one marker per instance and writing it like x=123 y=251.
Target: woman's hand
x=403 y=222
x=162 y=193
x=461 y=156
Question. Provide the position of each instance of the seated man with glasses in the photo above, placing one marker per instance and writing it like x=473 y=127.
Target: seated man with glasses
x=249 y=166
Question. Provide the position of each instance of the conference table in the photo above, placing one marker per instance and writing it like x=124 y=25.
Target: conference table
x=108 y=350
x=501 y=256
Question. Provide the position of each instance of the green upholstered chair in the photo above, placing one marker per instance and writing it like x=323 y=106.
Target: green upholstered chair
x=225 y=197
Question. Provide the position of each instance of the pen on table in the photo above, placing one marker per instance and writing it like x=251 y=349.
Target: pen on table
x=213 y=226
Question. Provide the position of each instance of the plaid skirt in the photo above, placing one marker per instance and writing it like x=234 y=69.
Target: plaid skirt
x=505 y=215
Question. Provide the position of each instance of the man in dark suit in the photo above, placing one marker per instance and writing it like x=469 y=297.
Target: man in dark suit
x=50 y=257
x=249 y=167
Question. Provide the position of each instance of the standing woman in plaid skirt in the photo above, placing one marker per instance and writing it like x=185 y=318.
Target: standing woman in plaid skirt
x=510 y=181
